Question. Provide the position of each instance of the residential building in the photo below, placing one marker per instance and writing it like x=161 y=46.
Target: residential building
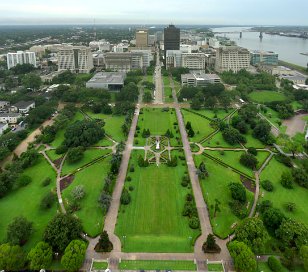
x=199 y=79
x=77 y=59
x=142 y=38
x=23 y=106
x=171 y=38
x=3 y=127
x=194 y=61
x=232 y=58
x=9 y=118
x=263 y=58
x=20 y=57
x=4 y=105
x=107 y=80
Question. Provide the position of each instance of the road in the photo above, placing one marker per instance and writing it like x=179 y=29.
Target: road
x=158 y=99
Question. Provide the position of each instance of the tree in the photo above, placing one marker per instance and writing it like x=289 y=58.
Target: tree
x=232 y=136
x=40 y=257
x=294 y=147
x=304 y=256
x=300 y=177
x=74 y=255
x=292 y=234
x=83 y=133
x=48 y=200
x=125 y=197
x=210 y=245
x=31 y=81
x=12 y=257
x=147 y=97
x=78 y=192
x=104 y=244
x=19 y=231
x=253 y=233
x=195 y=103
x=249 y=160
x=238 y=191
x=274 y=264
x=286 y=180
x=272 y=219
x=202 y=171
x=61 y=230
x=75 y=154
x=262 y=131
x=216 y=207
x=105 y=201
x=244 y=259
x=267 y=185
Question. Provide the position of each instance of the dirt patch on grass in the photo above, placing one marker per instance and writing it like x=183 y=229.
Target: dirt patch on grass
x=64 y=183
x=249 y=185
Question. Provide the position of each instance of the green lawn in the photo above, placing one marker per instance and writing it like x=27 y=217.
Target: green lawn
x=200 y=125
x=252 y=141
x=166 y=81
x=26 y=202
x=153 y=221
x=113 y=125
x=157 y=265
x=52 y=154
x=168 y=93
x=158 y=122
x=100 y=266
x=92 y=178
x=219 y=113
x=281 y=195
x=218 y=141
x=215 y=186
x=215 y=267
x=273 y=117
x=266 y=96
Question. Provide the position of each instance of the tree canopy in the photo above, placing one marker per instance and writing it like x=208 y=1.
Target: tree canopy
x=74 y=255
x=40 y=257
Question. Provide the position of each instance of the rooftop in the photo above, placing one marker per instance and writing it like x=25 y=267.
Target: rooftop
x=108 y=77
x=10 y=114
x=23 y=104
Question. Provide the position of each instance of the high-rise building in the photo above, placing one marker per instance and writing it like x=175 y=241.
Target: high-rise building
x=77 y=59
x=142 y=38
x=232 y=58
x=20 y=57
x=171 y=38
x=264 y=58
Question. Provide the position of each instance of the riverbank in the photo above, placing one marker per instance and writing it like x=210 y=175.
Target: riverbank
x=294 y=66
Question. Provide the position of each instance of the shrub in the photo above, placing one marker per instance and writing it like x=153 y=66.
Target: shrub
x=131 y=188
x=185 y=181
x=252 y=151
x=125 y=197
x=189 y=197
x=194 y=223
x=132 y=168
x=286 y=180
x=78 y=192
x=47 y=201
x=75 y=154
x=128 y=178
x=24 y=180
x=249 y=160
x=238 y=191
x=210 y=245
x=274 y=264
x=46 y=182
x=290 y=206
x=238 y=208
x=267 y=185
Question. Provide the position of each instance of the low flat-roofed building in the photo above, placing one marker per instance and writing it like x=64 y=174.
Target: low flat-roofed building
x=23 y=106
x=300 y=87
x=113 y=81
x=263 y=58
x=199 y=79
x=9 y=118
x=296 y=78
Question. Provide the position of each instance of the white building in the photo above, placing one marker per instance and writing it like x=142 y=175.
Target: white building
x=3 y=127
x=214 y=43
x=199 y=79
x=108 y=80
x=232 y=58
x=147 y=56
x=185 y=48
x=23 y=106
x=194 y=61
x=20 y=57
x=9 y=118
x=77 y=59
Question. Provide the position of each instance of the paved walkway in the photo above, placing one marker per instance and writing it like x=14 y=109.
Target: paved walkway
x=158 y=99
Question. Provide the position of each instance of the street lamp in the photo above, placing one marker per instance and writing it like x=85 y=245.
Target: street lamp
x=258 y=258
x=124 y=237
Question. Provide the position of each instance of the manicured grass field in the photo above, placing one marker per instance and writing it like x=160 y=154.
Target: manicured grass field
x=274 y=118
x=215 y=186
x=281 y=195
x=113 y=125
x=200 y=125
x=153 y=221
x=52 y=154
x=158 y=122
x=89 y=155
x=252 y=141
x=220 y=113
x=215 y=267
x=92 y=178
x=26 y=202
x=100 y=266
x=166 y=81
x=218 y=141
x=157 y=265
x=266 y=96
x=168 y=93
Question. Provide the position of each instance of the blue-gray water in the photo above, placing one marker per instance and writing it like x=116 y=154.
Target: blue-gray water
x=289 y=49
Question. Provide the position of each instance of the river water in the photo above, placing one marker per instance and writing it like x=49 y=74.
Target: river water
x=288 y=48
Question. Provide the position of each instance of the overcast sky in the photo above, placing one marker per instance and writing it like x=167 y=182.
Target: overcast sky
x=239 y=12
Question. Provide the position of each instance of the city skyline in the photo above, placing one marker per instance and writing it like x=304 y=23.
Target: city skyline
x=234 y=12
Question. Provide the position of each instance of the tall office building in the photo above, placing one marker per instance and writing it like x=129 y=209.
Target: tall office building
x=142 y=38
x=171 y=38
x=232 y=58
x=77 y=59
x=20 y=57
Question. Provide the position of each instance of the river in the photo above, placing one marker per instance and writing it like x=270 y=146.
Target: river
x=288 y=48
